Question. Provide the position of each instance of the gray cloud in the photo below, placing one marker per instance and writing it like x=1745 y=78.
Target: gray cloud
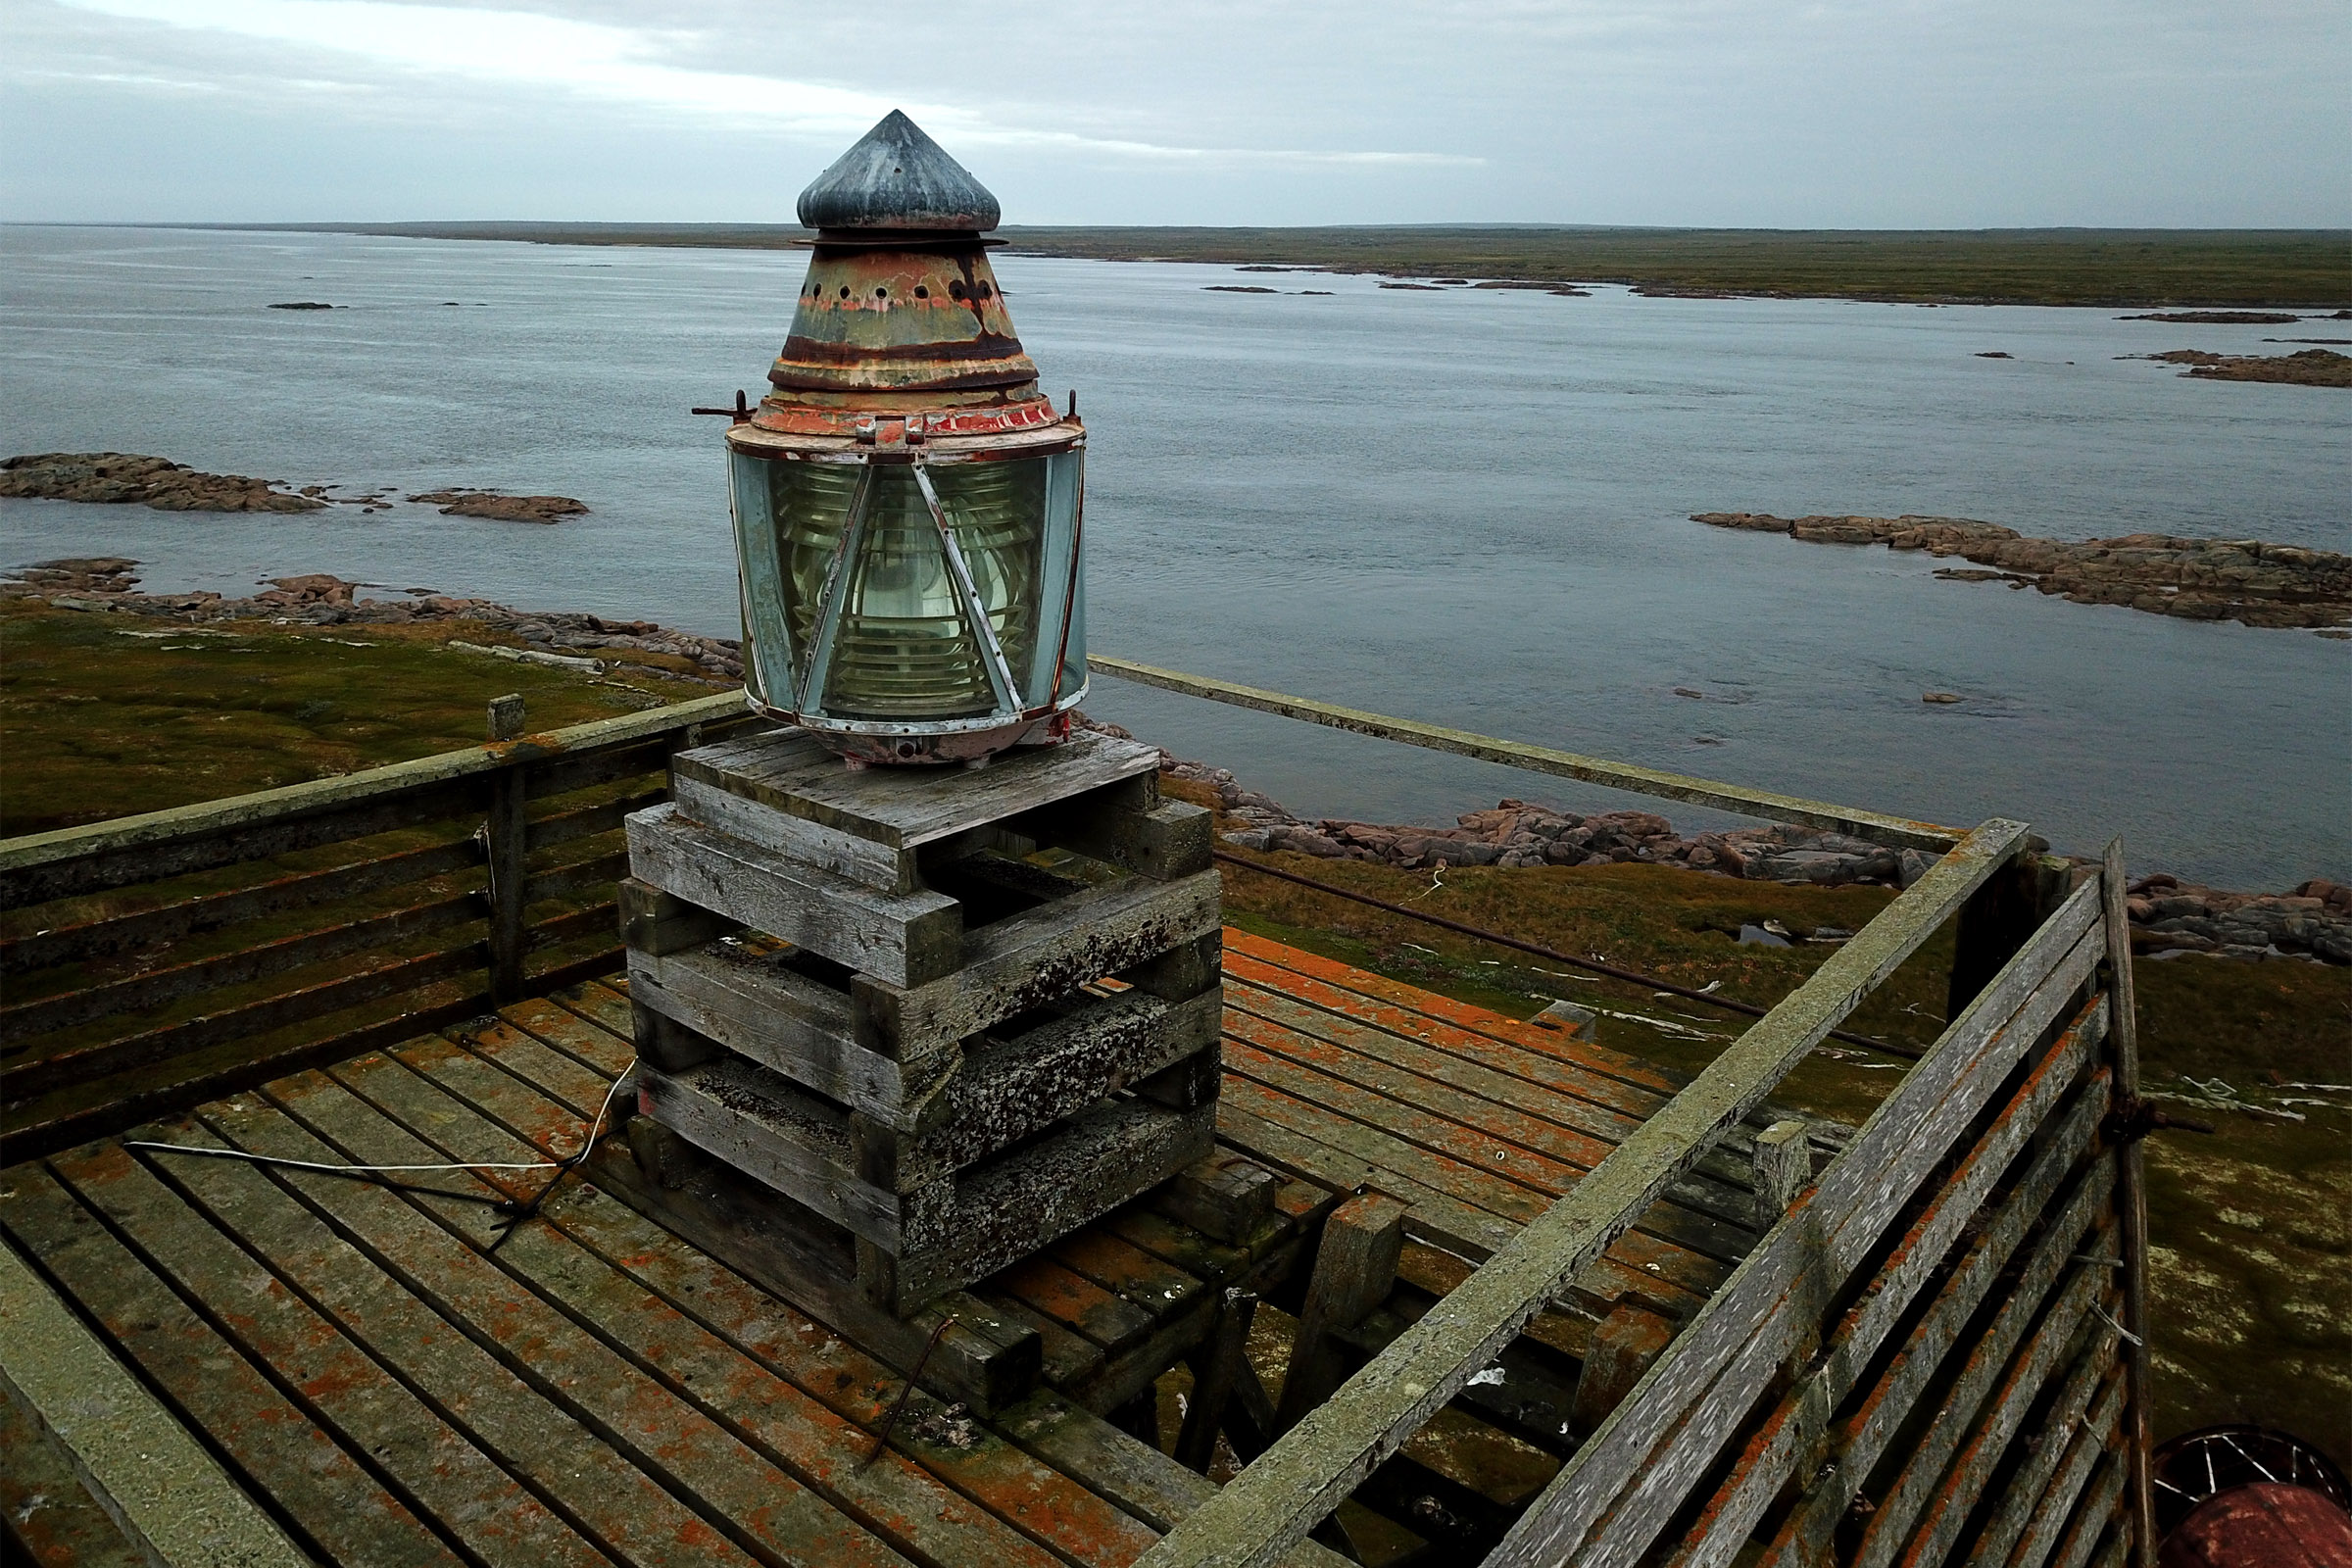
x=1770 y=112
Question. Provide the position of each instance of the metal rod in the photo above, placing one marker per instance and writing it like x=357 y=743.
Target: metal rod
x=1632 y=976
x=898 y=1406
x=829 y=612
x=999 y=673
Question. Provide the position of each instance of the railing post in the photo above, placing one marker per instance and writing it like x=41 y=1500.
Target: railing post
x=2132 y=1205
x=503 y=846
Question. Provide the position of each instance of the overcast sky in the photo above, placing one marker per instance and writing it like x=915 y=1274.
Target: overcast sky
x=1771 y=113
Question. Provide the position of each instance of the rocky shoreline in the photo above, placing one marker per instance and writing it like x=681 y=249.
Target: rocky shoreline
x=2244 y=580
x=2168 y=915
x=106 y=584
x=128 y=478
x=2312 y=922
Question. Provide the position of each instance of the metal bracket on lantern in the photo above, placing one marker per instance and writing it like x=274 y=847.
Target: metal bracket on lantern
x=819 y=664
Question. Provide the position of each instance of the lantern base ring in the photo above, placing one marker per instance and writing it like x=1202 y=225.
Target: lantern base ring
x=933 y=741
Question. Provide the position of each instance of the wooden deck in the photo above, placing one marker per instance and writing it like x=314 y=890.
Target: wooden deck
x=397 y=1385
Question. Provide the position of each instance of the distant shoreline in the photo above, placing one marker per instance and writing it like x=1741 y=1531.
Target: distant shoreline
x=2298 y=269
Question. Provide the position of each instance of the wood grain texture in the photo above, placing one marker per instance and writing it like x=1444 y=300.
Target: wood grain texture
x=903 y=808
x=1316 y=1463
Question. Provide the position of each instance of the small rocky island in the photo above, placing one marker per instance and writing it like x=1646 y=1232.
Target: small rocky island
x=2244 y=580
x=2303 y=367
x=127 y=478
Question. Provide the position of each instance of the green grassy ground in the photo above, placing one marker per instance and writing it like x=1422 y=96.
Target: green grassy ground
x=2138 y=267
x=105 y=714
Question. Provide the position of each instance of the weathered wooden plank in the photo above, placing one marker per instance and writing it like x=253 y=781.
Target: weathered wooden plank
x=1499 y=1138
x=571 y=1468
x=2054 y=1505
x=141 y=1465
x=847 y=1381
x=585 y=821
x=1863 y=1437
x=788 y=1139
x=50 y=1515
x=903 y=939
x=40 y=866
x=1151 y=1283
x=22 y=1024
x=1958 y=1493
x=1487 y=1071
x=1915 y=1498
x=43 y=1127
x=984 y=1359
x=1224 y=1198
x=2101 y=1512
x=1006 y=1087
x=1038 y=956
x=1659 y=1443
x=2094 y=1374
x=1001 y=1210
x=734 y=1493
x=1143 y=1481
x=893 y=1498
x=603 y=1003
x=1074 y=1301
x=1316 y=1463
x=1609 y=1106
x=105 y=937
x=886 y=867
x=912 y=806
x=84 y=1063
x=1355 y=1269
x=598 y=874
x=1162 y=841
x=2132 y=1205
x=1411 y=1169
x=1218 y=1372
x=762 y=1009
x=340 y=1508
x=443 y=1475
x=1894 y=831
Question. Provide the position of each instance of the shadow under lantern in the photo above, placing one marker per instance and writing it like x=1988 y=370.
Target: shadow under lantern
x=906 y=501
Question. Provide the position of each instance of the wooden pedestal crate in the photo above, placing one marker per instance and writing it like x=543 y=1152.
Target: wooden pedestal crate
x=867 y=992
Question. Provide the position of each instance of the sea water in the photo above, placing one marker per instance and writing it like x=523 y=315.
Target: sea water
x=1467 y=507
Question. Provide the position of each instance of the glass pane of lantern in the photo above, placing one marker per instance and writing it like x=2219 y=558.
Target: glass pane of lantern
x=770 y=651
x=1057 y=562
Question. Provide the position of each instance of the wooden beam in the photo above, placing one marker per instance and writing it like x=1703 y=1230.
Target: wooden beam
x=1355 y=1269
x=1314 y=1465
x=40 y=866
x=2131 y=1206
x=1784 y=1169
x=1894 y=831
x=151 y=1475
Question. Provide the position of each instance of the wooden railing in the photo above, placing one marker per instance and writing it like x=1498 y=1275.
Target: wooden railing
x=1936 y=1356
x=164 y=959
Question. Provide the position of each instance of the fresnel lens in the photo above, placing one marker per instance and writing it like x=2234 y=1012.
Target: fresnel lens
x=906 y=502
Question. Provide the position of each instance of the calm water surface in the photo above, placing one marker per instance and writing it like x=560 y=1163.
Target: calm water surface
x=1466 y=507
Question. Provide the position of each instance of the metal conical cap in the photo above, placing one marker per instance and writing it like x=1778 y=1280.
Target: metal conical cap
x=896 y=178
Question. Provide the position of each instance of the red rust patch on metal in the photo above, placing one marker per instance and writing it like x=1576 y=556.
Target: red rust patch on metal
x=2265 y=1525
